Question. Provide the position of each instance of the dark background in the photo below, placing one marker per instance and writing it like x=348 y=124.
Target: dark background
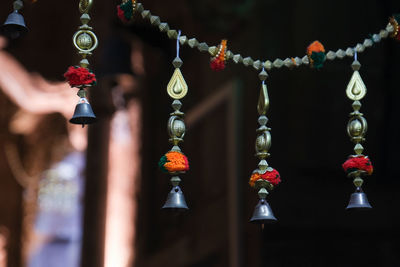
x=308 y=116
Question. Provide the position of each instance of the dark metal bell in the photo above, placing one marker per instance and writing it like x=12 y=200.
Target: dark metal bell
x=14 y=26
x=358 y=200
x=83 y=113
x=175 y=200
x=263 y=213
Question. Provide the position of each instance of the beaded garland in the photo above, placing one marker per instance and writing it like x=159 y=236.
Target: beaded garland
x=258 y=64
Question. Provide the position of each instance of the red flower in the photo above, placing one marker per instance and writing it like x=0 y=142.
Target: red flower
x=217 y=64
x=358 y=163
x=271 y=176
x=77 y=76
x=121 y=14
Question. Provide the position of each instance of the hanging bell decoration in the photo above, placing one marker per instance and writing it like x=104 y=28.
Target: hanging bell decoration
x=83 y=111
x=358 y=200
x=15 y=27
x=262 y=213
x=174 y=161
x=85 y=41
x=175 y=199
x=357 y=166
x=264 y=178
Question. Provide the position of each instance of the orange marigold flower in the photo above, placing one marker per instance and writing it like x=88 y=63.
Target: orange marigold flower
x=271 y=176
x=316 y=47
x=174 y=161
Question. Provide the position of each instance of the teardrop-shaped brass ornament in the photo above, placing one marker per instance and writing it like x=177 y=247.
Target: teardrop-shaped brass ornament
x=263 y=100
x=177 y=87
x=356 y=89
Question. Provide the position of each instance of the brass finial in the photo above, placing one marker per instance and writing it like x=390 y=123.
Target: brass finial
x=85 y=5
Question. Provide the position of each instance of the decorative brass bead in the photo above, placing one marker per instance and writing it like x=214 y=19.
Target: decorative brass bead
x=355 y=128
x=84 y=41
x=263 y=144
x=85 y=5
x=177 y=127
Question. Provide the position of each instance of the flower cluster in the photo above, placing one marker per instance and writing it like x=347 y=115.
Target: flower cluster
x=218 y=62
x=316 y=54
x=78 y=76
x=125 y=10
x=359 y=163
x=394 y=21
x=174 y=161
x=272 y=177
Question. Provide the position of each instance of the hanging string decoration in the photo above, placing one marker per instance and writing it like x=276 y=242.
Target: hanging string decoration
x=218 y=61
x=316 y=54
x=267 y=64
x=126 y=9
x=264 y=178
x=357 y=166
x=175 y=162
x=85 y=41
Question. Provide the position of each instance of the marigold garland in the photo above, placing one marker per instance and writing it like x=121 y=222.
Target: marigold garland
x=174 y=161
x=218 y=62
x=361 y=163
x=79 y=76
x=271 y=176
x=316 y=54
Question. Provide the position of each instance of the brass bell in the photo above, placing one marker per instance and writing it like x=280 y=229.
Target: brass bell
x=175 y=200
x=263 y=213
x=83 y=113
x=358 y=200
x=14 y=27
